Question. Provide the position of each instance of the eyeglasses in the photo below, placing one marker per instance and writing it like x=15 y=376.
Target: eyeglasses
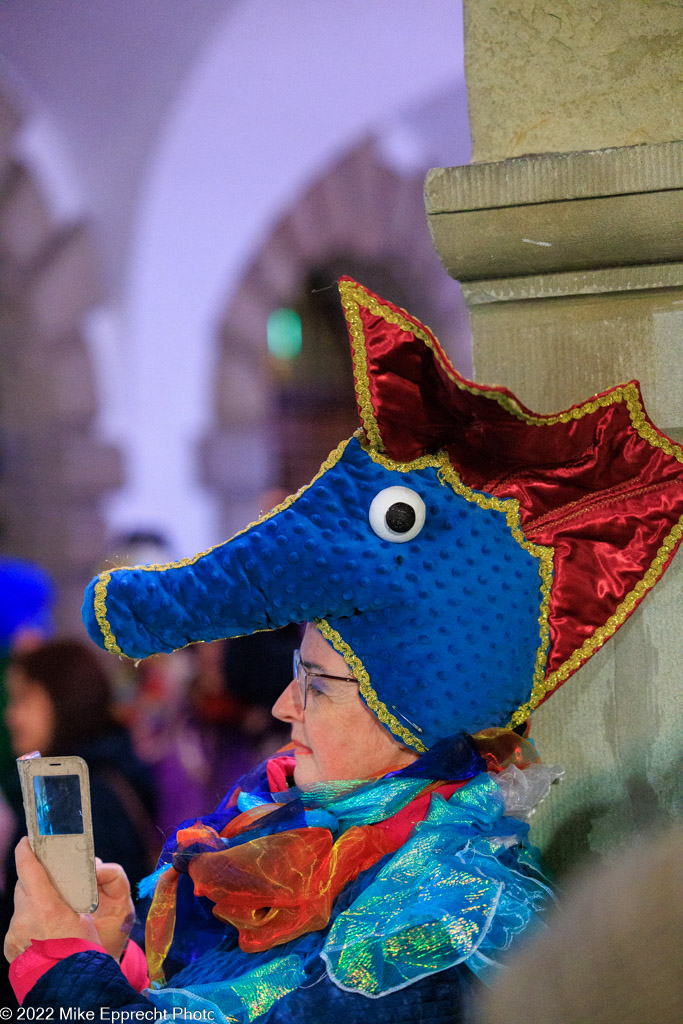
x=304 y=675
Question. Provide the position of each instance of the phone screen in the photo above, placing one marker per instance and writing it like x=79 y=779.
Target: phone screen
x=58 y=805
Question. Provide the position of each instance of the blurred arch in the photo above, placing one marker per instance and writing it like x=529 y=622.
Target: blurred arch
x=277 y=96
x=274 y=425
x=53 y=467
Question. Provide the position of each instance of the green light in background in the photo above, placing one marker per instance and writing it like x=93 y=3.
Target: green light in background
x=284 y=334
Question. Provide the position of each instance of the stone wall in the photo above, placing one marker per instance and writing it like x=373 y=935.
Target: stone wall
x=53 y=470
x=571 y=75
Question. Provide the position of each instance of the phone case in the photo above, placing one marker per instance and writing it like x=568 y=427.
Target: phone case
x=69 y=859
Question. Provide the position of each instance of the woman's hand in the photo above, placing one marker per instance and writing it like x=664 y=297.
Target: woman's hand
x=39 y=910
x=115 y=913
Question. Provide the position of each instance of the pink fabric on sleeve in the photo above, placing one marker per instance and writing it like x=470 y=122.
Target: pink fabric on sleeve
x=134 y=967
x=26 y=969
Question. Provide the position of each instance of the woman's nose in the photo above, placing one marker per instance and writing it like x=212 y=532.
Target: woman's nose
x=288 y=705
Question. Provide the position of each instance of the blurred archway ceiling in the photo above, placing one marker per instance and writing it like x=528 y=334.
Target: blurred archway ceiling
x=181 y=131
x=103 y=74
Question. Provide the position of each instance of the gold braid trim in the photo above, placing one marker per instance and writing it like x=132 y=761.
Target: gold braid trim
x=423 y=462
x=354 y=295
x=366 y=689
x=100 y=606
x=331 y=460
x=509 y=507
x=603 y=633
x=360 y=365
x=100 y=601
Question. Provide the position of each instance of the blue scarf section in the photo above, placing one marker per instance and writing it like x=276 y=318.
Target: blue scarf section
x=459 y=890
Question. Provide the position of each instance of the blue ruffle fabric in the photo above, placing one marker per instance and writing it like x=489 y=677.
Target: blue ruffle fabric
x=449 y=892
x=457 y=892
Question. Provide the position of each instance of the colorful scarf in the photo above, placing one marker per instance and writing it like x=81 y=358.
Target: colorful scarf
x=423 y=850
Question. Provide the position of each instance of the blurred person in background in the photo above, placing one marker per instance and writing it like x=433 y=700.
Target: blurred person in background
x=26 y=599
x=158 y=702
x=608 y=955
x=60 y=702
x=200 y=717
x=256 y=669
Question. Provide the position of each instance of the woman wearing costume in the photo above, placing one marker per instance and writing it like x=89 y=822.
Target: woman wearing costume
x=456 y=560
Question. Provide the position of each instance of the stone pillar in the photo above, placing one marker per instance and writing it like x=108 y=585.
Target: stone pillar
x=570 y=263
x=571 y=75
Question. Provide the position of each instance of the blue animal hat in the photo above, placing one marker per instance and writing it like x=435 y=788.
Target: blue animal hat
x=464 y=555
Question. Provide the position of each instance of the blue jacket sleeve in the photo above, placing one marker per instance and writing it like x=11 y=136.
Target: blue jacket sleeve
x=93 y=980
x=88 y=981
x=442 y=998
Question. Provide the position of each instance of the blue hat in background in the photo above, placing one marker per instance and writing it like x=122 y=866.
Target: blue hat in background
x=463 y=554
x=26 y=598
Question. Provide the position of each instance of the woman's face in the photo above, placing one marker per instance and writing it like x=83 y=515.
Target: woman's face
x=336 y=736
x=30 y=714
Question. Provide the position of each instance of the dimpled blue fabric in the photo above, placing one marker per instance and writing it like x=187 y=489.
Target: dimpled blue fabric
x=454 y=640
x=446 y=625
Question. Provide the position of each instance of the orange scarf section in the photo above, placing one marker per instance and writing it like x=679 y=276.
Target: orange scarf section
x=276 y=887
x=160 y=924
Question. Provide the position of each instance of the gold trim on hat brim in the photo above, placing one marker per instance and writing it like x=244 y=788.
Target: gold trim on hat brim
x=100 y=600
x=602 y=633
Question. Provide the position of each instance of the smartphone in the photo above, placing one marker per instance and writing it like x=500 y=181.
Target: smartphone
x=56 y=792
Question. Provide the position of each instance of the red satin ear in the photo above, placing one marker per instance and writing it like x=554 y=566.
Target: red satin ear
x=598 y=482
x=411 y=400
x=403 y=376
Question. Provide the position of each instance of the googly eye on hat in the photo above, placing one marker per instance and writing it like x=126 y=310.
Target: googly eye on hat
x=397 y=514
x=489 y=551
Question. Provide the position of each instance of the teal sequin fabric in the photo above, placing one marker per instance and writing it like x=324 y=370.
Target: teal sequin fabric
x=445 y=895
x=457 y=892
